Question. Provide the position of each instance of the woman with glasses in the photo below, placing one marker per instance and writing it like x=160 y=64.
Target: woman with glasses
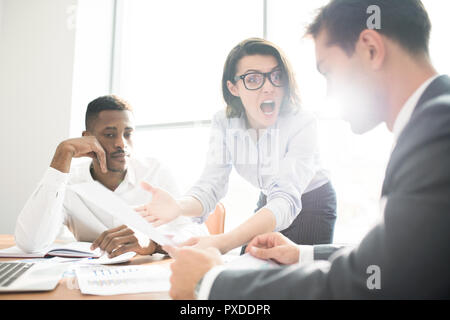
x=272 y=143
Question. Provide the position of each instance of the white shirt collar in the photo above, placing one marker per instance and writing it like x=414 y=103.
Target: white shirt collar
x=130 y=176
x=408 y=108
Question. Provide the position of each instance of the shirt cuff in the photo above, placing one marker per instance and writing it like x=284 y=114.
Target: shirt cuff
x=281 y=209
x=206 y=212
x=306 y=254
x=53 y=177
x=208 y=281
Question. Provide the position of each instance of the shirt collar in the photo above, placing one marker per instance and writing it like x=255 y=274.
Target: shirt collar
x=243 y=124
x=130 y=176
x=408 y=108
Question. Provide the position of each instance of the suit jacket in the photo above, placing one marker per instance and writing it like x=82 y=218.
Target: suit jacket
x=405 y=256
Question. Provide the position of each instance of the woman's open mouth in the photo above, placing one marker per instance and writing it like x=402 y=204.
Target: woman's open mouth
x=268 y=107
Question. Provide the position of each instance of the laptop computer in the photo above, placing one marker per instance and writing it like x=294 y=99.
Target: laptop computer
x=16 y=276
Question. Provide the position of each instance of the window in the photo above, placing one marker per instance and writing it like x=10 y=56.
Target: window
x=169 y=67
x=168 y=63
x=356 y=163
x=172 y=54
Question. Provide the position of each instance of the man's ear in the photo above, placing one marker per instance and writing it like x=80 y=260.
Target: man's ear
x=373 y=47
x=232 y=88
x=85 y=133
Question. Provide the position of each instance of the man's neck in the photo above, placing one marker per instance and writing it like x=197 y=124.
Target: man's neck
x=403 y=82
x=110 y=180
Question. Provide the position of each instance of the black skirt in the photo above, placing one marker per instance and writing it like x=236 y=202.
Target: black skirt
x=315 y=222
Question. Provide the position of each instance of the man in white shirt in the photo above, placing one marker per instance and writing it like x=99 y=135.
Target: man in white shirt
x=108 y=141
x=380 y=75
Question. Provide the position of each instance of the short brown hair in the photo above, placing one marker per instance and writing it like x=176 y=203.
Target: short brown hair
x=254 y=46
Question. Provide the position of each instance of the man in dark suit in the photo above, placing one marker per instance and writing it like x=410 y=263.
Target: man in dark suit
x=381 y=71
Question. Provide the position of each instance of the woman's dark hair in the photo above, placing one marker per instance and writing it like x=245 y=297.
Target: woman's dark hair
x=257 y=46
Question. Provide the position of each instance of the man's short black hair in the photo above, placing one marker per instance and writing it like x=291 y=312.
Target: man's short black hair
x=109 y=102
x=404 y=21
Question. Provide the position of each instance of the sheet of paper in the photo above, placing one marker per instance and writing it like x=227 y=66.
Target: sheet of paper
x=247 y=261
x=107 y=280
x=52 y=260
x=99 y=196
x=105 y=260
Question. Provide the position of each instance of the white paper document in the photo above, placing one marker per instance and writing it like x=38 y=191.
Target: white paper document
x=247 y=261
x=104 y=280
x=124 y=257
x=99 y=196
x=103 y=259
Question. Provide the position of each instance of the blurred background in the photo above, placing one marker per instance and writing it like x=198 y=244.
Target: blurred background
x=166 y=59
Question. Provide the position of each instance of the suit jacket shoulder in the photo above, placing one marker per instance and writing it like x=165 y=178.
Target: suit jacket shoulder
x=422 y=148
x=410 y=248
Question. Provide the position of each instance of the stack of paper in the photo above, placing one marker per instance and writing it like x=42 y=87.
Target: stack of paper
x=103 y=280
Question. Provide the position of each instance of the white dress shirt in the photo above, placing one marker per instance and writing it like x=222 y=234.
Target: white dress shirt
x=52 y=205
x=283 y=163
x=306 y=251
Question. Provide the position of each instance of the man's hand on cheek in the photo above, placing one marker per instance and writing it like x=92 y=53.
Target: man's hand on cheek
x=189 y=267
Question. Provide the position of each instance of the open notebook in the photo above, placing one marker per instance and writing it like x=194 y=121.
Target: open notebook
x=70 y=250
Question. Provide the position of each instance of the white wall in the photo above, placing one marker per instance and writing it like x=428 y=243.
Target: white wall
x=1 y=15
x=36 y=63
x=92 y=63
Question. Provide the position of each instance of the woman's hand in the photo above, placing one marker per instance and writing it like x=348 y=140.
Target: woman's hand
x=215 y=241
x=162 y=209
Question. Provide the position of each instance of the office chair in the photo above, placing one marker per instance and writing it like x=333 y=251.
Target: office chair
x=216 y=220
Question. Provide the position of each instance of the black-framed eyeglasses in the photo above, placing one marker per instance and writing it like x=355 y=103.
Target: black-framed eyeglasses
x=255 y=80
